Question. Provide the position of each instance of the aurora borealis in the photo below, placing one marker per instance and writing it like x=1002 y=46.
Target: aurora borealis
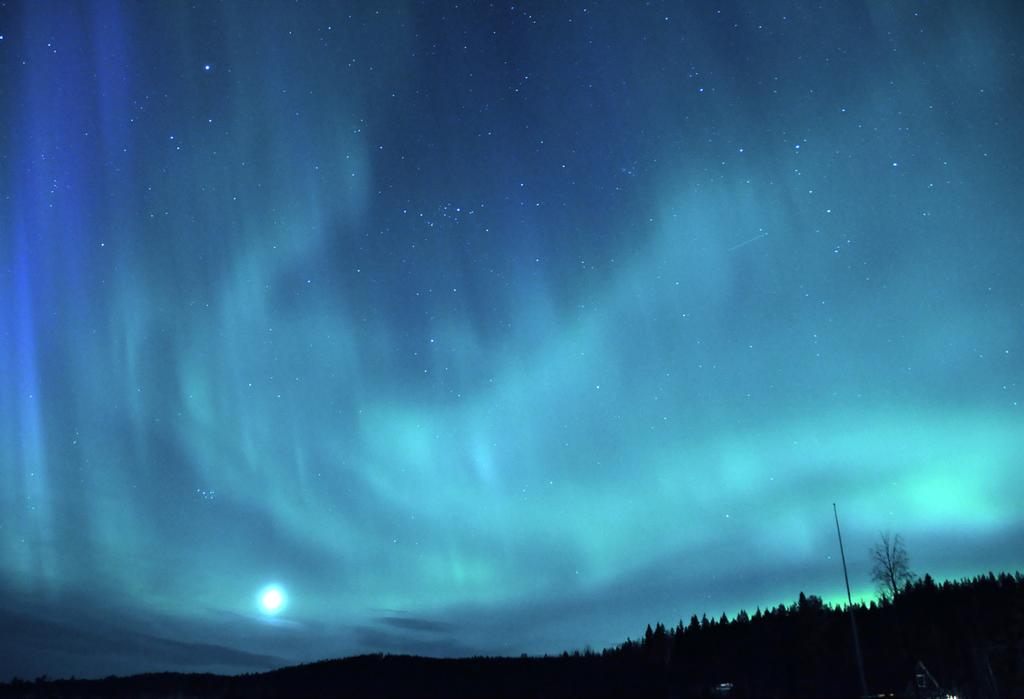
x=494 y=328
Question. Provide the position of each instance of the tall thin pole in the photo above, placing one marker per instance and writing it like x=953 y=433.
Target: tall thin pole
x=853 y=619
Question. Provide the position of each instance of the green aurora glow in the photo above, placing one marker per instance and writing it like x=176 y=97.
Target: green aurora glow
x=497 y=330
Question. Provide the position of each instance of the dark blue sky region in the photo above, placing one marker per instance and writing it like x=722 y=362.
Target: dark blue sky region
x=330 y=328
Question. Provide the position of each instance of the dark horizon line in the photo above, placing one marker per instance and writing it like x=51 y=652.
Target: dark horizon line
x=587 y=651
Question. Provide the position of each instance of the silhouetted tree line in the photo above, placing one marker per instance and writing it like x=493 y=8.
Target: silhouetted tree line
x=969 y=634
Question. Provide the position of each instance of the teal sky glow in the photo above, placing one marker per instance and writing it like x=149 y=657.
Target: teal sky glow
x=494 y=328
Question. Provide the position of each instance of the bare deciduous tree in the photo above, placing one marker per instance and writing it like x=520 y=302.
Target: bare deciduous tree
x=891 y=565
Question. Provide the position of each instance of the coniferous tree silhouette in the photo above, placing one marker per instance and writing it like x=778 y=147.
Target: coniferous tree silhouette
x=968 y=635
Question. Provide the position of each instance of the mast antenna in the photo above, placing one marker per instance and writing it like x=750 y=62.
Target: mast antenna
x=853 y=619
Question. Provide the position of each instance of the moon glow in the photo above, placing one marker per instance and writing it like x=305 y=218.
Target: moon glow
x=272 y=599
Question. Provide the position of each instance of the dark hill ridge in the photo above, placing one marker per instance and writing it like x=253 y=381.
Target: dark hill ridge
x=384 y=676
x=968 y=634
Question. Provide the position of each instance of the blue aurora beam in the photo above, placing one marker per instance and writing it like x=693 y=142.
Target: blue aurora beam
x=494 y=329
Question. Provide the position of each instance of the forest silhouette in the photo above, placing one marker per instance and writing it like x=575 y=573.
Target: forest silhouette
x=958 y=638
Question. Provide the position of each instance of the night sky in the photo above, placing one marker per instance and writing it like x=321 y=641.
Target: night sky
x=494 y=328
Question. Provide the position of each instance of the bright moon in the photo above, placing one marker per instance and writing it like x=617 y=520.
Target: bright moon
x=272 y=599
